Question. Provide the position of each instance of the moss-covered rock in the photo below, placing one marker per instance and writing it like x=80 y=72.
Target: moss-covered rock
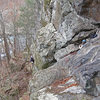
x=48 y=64
x=43 y=22
x=38 y=60
x=46 y=4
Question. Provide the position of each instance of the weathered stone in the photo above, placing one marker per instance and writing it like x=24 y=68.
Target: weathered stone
x=68 y=25
x=64 y=20
x=43 y=94
x=46 y=77
x=46 y=42
x=56 y=14
x=85 y=66
x=58 y=37
x=97 y=98
x=86 y=58
x=88 y=8
x=83 y=34
x=60 y=40
x=65 y=51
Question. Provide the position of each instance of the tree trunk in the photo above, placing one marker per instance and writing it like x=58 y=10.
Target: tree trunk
x=4 y=38
x=6 y=47
x=0 y=60
x=27 y=40
x=16 y=40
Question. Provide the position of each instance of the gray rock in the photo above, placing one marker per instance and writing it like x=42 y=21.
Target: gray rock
x=45 y=77
x=97 y=98
x=60 y=40
x=71 y=21
x=46 y=42
x=56 y=13
x=66 y=21
x=83 y=8
x=67 y=27
x=72 y=27
x=85 y=66
x=44 y=95
x=65 y=51
x=83 y=33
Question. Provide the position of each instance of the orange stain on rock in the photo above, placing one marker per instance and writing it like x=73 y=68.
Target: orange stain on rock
x=60 y=82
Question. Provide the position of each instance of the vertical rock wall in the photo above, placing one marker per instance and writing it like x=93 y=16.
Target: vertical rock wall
x=69 y=26
x=65 y=23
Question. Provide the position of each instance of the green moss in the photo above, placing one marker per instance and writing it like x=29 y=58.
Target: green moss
x=46 y=3
x=48 y=64
x=38 y=60
x=43 y=22
x=83 y=99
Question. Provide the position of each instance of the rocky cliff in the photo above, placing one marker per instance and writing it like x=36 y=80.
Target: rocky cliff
x=75 y=72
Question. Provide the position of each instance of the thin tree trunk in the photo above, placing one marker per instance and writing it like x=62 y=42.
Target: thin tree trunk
x=16 y=40
x=11 y=45
x=15 y=33
x=27 y=41
x=4 y=38
x=15 y=48
x=6 y=47
x=0 y=60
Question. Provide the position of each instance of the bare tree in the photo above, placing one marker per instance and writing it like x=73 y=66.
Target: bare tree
x=16 y=40
x=0 y=60
x=7 y=51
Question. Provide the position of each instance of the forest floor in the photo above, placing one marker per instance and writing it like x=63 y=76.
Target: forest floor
x=14 y=79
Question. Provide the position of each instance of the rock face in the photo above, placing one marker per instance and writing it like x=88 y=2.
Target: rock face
x=64 y=96
x=65 y=51
x=60 y=40
x=66 y=28
x=46 y=42
x=83 y=65
x=86 y=65
x=56 y=13
x=88 y=8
